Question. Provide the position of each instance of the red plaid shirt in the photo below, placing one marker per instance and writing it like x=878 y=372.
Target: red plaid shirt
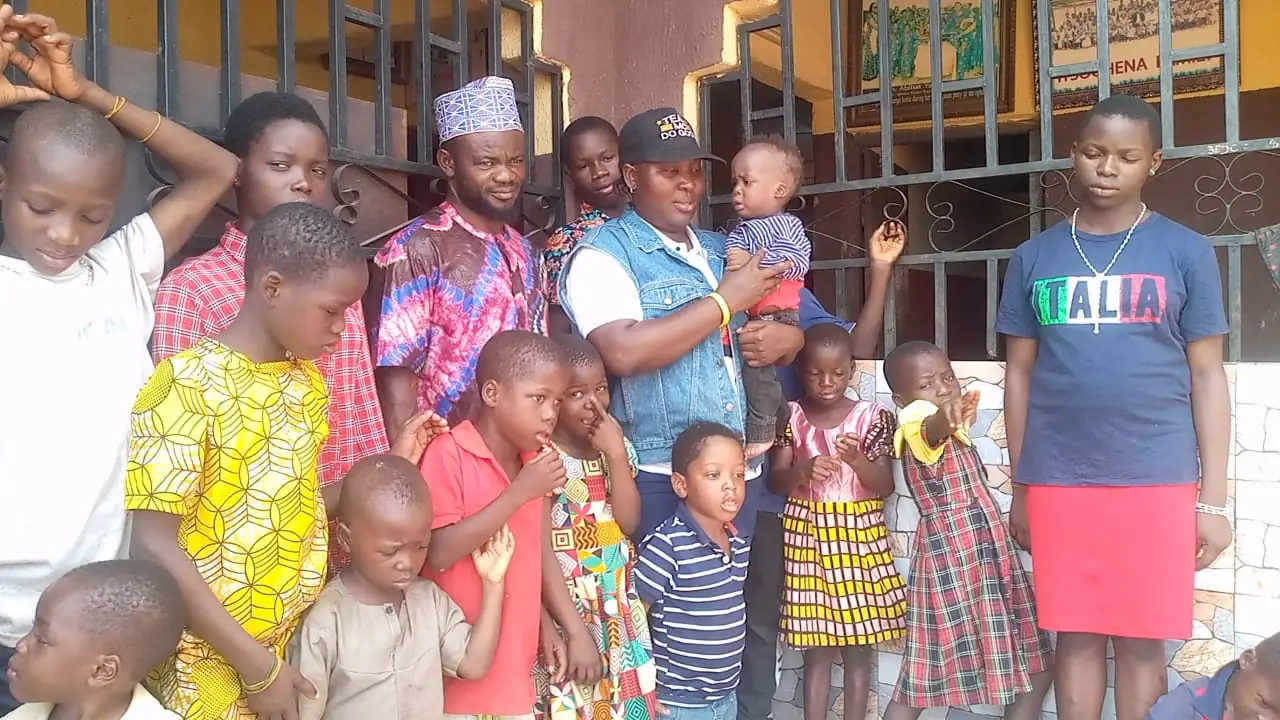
x=203 y=295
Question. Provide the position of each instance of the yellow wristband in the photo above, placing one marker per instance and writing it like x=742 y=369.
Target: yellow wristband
x=725 y=314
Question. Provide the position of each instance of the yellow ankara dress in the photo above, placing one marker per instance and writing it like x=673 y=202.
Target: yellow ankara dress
x=232 y=446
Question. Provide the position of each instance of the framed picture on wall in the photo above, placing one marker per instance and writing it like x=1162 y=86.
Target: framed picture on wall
x=1134 y=48
x=962 y=40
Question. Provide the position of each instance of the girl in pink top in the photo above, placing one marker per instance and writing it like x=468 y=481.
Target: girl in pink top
x=842 y=594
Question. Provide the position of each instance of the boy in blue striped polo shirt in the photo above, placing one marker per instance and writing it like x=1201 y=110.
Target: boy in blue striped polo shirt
x=690 y=576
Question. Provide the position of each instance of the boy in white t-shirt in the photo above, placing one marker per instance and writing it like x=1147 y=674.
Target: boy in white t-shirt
x=98 y=630
x=76 y=310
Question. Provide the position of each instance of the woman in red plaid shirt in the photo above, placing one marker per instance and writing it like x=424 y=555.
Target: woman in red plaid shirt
x=972 y=637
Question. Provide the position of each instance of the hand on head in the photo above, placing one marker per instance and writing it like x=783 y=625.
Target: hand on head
x=51 y=69
x=10 y=36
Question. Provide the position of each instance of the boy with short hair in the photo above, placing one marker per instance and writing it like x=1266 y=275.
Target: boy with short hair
x=589 y=150
x=76 y=310
x=1242 y=690
x=694 y=565
x=284 y=157
x=98 y=630
x=379 y=639
x=222 y=472
x=497 y=469
x=767 y=174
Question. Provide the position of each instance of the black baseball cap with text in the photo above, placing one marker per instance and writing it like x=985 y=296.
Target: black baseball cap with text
x=660 y=135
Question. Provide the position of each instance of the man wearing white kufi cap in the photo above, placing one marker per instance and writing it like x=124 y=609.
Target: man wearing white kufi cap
x=454 y=278
x=459 y=274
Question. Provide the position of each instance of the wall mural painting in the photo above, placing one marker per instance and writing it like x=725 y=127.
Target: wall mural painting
x=962 y=38
x=1135 y=47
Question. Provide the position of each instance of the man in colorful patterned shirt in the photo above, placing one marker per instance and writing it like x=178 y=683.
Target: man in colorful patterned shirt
x=589 y=147
x=284 y=157
x=460 y=274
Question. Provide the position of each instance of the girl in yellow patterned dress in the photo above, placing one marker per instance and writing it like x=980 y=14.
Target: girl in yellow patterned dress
x=222 y=471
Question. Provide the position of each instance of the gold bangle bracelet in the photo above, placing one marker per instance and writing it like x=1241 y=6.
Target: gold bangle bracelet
x=156 y=129
x=725 y=314
x=255 y=688
x=116 y=107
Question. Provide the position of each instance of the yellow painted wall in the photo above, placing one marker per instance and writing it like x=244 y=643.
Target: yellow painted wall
x=812 y=42
x=132 y=24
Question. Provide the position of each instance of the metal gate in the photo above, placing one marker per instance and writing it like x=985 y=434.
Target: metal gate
x=1227 y=193
x=415 y=63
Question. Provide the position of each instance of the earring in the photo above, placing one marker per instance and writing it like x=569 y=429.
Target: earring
x=1152 y=172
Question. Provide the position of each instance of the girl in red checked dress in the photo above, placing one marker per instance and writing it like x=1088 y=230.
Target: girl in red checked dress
x=971 y=620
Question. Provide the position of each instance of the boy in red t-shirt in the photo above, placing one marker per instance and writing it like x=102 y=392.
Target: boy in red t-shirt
x=498 y=469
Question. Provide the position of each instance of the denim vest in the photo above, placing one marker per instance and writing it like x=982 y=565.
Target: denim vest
x=655 y=407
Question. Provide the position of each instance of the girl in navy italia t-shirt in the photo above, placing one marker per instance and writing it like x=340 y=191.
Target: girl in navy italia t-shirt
x=1118 y=418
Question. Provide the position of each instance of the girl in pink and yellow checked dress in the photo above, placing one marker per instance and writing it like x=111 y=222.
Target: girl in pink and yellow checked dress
x=842 y=593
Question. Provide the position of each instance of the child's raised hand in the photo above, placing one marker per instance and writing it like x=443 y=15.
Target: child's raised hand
x=606 y=435
x=887 y=243
x=51 y=69
x=11 y=94
x=736 y=259
x=541 y=475
x=969 y=407
x=493 y=558
x=417 y=434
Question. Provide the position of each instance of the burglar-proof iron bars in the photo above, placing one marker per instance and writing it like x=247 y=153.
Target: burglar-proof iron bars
x=428 y=48
x=1219 y=193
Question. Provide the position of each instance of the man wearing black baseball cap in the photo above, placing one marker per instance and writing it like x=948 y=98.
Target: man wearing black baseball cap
x=651 y=293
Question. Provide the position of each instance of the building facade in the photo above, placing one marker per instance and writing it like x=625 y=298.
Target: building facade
x=971 y=152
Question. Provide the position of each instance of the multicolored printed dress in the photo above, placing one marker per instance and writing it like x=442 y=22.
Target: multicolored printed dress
x=447 y=288
x=596 y=559
x=562 y=242
x=972 y=637
x=841 y=587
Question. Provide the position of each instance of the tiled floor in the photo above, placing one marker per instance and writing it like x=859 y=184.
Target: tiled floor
x=1237 y=600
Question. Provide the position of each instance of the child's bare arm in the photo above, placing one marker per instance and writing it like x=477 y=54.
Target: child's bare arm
x=624 y=496
x=451 y=543
x=205 y=171
x=876 y=475
x=1020 y=354
x=155 y=539
x=783 y=474
x=883 y=251
x=584 y=656
x=492 y=562
x=484 y=633
x=1211 y=415
x=736 y=259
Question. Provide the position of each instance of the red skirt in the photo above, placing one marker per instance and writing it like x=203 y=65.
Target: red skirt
x=1116 y=561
